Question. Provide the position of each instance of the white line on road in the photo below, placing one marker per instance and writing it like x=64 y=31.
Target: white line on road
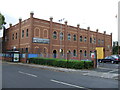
x=27 y=74
x=66 y=83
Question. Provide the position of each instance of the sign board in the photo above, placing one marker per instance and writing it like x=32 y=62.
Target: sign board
x=100 y=52
x=16 y=57
x=92 y=55
x=41 y=40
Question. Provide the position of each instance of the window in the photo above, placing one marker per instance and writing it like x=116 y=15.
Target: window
x=69 y=37
x=27 y=33
x=90 y=40
x=102 y=41
x=85 y=53
x=74 y=52
x=85 y=39
x=13 y=37
x=22 y=33
x=16 y=35
x=54 y=34
x=74 y=37
x=90 y=53
x=61 y=36
x=45 y=33
x=99 y=41
x=61 y=52
x=26 y=50
x=80 y=38
x=94 y=40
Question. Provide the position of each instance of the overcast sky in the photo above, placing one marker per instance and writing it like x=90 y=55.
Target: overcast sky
x=97 y=14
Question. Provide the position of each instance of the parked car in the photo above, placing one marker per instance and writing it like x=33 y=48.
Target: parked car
x=112 y=59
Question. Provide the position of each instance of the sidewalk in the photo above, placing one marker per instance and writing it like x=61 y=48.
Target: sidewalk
x=82 y=71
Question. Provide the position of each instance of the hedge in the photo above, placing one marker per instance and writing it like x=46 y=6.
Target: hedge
x=75 y=64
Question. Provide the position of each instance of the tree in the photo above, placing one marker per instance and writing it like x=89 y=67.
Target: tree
x=2 y=21
x=115 y=50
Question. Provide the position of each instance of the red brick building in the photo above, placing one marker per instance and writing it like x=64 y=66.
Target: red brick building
x=53 y=39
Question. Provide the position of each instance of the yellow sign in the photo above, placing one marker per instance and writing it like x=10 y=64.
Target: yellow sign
x=100 y=52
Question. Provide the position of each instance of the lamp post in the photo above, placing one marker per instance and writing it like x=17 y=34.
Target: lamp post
x=61 y=36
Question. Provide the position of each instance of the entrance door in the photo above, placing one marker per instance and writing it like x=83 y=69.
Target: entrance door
x=54 y=54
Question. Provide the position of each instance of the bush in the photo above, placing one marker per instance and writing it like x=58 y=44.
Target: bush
x=75 y=64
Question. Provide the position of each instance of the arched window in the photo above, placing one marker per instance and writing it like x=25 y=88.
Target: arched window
x=99 y=41
x=85 y=53
x=80 y=51
x=61 y=36
x=27 y=33
x=85 y=39
x=74 y=37
x=90 y=53
x=13 y=37
x=16 y=35
x=22 y=33
x=94 y=40
x=69 y=37
x=90 y=40
x=74 y=53
x=102 y=41
x=61 y=52
x=54 y=34
x=80 y=38
x=45 y=33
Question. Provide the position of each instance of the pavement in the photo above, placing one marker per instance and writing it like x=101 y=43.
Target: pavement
x=85 y=72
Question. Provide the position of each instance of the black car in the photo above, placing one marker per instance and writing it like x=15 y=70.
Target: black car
x=112 y=59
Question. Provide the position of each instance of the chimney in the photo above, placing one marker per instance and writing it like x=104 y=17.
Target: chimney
x=97 y=30
x=88 y=28
x=66 y=22
x=31 y=14
x=78 y=25
x=10 y=24
x=104 y=32
x=20 y=19
x=51 y=18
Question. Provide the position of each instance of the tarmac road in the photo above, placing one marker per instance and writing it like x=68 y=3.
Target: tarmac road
x=18 y=76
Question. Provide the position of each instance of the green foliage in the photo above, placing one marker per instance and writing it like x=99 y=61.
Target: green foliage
x=75 y=64
x=2 y=20
x=115 y=50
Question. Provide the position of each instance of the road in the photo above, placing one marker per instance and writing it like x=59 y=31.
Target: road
x=18 y=76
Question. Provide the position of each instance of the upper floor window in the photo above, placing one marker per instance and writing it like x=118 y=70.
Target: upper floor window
x=27 y=33
x=90 y=40
x=54 y=34
x=16 y=35
x=69 y=37
x=99 y=41
x=94 y=40
x=85 y=39
x=13 y=37
x=102 y=41
x=22 y=33
x=80 y=38
x=61 y=36
x=45 y=33
x=74 y=37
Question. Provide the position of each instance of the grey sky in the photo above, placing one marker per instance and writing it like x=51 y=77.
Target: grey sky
x=97 y=14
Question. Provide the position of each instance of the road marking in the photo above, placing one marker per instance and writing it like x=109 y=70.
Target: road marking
x=67 y=84
x=27 y=74
x=112 y=71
